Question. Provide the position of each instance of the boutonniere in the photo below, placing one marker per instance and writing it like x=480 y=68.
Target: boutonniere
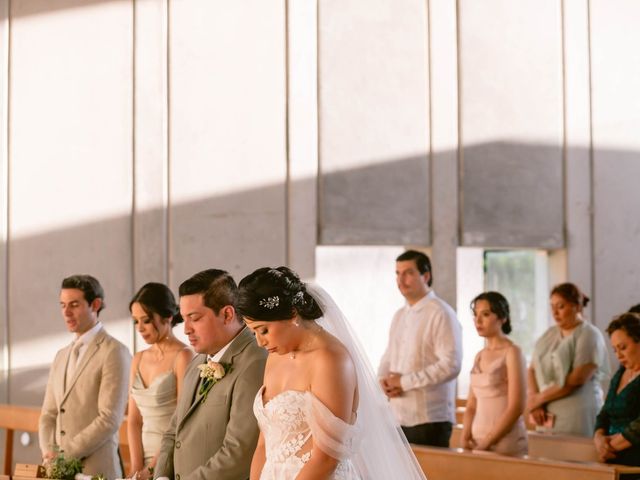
x=211 y=373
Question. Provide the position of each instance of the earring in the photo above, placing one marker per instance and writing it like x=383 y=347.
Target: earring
x=296 y=323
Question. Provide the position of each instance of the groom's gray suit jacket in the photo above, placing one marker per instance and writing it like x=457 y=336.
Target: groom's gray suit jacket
x=214 y=438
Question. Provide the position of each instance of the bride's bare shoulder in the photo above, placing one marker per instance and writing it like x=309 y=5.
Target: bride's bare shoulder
x=333 y=360
x=332 y=350
x=333 y=380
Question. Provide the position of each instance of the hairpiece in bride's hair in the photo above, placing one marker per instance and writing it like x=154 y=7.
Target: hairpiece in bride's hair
x=298 y=299
x=270 y=302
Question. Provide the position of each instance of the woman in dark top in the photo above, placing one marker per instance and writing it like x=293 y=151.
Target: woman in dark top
x=617 y=435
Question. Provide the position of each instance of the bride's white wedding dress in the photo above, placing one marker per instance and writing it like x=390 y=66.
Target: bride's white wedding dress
x=288 y=421
x=373 y=448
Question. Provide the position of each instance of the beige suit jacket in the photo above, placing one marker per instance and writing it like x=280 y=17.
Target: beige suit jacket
x=214 y=438
x=83 y=419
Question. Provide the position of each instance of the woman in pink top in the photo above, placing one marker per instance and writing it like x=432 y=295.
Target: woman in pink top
x=493 y=415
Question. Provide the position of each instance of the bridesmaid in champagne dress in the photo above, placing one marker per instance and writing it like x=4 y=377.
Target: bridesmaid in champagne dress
x=493 y=415
x=156 y=375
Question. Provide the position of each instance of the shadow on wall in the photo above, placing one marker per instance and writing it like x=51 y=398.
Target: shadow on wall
x=41 y=7
x=507 y=188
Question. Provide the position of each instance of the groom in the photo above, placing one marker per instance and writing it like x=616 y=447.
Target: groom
x=213 y=432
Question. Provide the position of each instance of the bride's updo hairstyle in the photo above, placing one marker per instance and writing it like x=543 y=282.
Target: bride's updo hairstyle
x=270 y=294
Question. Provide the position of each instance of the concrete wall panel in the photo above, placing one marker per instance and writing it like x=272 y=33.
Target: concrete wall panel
x=512 y=121
x=616 y=122
x=374 y=122
x=227 y=136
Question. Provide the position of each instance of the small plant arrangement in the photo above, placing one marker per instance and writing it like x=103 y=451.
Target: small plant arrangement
x=62 y=468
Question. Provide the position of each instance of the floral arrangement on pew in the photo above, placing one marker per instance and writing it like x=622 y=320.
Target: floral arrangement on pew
x=58 y=468
x=63 y=468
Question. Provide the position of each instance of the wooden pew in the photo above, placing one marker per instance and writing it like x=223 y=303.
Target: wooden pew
x=562 y=447
x=458 y=464
x=547 y=445
x=14 y=418
x=124 y=447
x=25 y=419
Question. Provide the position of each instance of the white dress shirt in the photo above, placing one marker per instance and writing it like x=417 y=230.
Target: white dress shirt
x=425 y=348
x=218 y=355
x=85 y=339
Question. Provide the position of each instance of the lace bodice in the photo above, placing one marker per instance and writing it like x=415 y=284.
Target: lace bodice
x=289 y=421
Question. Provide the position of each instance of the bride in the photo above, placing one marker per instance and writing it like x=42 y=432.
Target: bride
x=321 y=412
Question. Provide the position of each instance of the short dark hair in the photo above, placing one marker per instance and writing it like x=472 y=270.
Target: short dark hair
x=629 y=323
x=270 y=294
x=571 y=293
x=89 y=286
x=635 y=309
x=157 y=298
x=217 y=287
x=498 y=305
x=422 y=262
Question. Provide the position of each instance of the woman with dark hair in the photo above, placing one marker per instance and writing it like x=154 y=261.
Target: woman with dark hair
x=568 y=363
x=156 y=374
x=617 y=436
x=493 y=415
x=321 y=412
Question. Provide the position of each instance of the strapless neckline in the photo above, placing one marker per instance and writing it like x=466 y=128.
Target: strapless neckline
x=303 y=393
x=280 y=394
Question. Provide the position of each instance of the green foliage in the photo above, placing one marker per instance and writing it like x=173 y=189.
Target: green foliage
x=513 y=273
x=62 y=468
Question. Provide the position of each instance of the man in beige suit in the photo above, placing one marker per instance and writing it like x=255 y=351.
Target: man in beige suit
x=213 y=436
x=87 y=390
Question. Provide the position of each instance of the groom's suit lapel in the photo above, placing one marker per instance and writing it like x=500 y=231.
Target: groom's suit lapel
x=236 y=347
x=92 y=348
x=195 y=398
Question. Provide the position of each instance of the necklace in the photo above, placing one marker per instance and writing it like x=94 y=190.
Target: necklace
x=305 y=345
x=632 y=377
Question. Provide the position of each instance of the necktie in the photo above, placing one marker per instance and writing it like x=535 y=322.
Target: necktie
x=73 y=361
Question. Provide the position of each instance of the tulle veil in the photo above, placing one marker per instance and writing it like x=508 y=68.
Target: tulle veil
x=384 y=452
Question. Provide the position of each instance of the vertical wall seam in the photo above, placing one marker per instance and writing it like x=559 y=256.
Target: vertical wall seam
x=287 y=140
x=134 y=208
x=565 y=198
x=6 y=184
x=319 y=191
x=168 y=209
x=460 y=152
x=430 y=156
x=592 y=222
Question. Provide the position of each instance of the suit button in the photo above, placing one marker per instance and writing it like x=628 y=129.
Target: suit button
x=178 y=444
x=62 y=410
x=62 y=433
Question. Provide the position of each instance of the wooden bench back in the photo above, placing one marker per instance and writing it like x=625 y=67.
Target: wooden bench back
x=25 y=419
x=455 y=463
x=546 y=445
